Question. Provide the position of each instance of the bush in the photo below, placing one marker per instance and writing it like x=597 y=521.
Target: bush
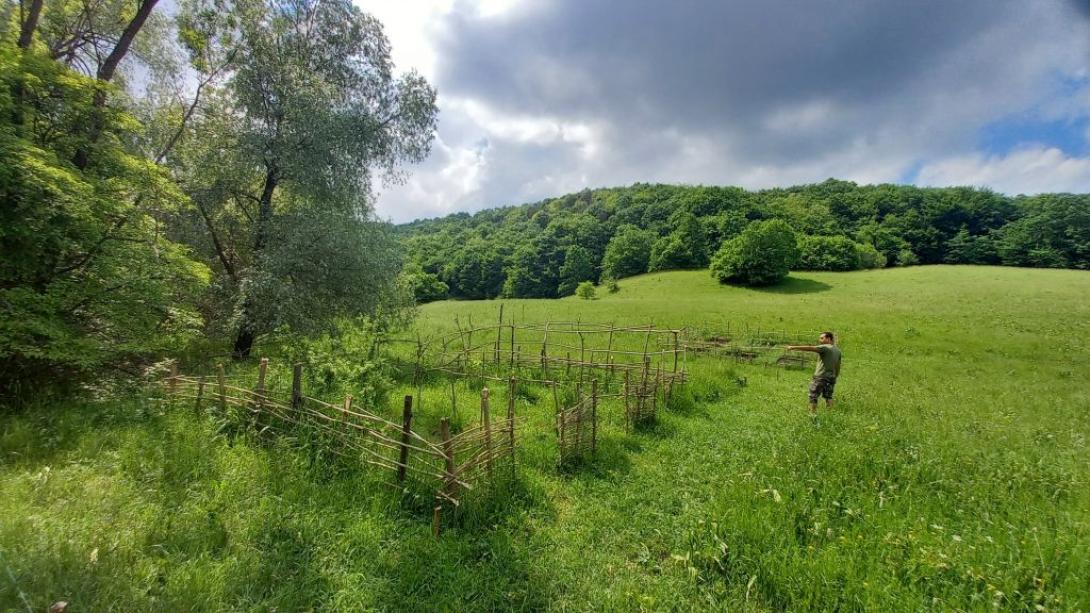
x=585 y=290
x=869 y=257
x=611 y=285
x=627 y=253
x=828 y=253
x=761 y=255
x=906 y=257
x=425 y=286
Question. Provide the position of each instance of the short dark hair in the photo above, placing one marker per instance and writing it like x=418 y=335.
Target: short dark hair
x=830 y=335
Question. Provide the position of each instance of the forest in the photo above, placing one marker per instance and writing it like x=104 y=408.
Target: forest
x=196 y=170
x=545 y=249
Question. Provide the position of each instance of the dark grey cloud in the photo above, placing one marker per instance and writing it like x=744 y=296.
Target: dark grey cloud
x=756 y=93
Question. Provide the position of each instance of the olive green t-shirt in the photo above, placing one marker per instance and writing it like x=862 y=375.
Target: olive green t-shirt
x=828 y=366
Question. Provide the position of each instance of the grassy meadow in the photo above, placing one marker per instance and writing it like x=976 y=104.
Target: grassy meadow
x=952 y=475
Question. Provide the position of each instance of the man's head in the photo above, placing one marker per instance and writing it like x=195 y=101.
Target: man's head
x=826 y=338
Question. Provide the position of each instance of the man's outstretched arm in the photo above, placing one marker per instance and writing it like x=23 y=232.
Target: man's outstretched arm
x=809 y=348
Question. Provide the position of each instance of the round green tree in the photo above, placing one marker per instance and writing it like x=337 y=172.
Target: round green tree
x=761 y=255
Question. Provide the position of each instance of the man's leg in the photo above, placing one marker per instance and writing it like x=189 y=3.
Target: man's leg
x=815 y=392
x=827 y=392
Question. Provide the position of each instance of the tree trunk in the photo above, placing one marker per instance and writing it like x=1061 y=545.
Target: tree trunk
x=105 y=74
x=26 y=33
x=245 y=339
x=109 y=67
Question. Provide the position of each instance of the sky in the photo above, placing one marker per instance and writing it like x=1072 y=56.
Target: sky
x=541 y=98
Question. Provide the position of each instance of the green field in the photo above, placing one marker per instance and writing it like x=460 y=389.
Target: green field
x=953 y=475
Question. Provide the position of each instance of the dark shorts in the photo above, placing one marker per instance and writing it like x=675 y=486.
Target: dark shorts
x=821 y=387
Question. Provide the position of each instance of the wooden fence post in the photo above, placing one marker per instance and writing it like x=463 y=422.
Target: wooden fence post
x=406 y=429
x=560 y=426
x=512 y=346
x=486 y=419
x=222 y=376
x=594 y=415
x=499 y=334
x=627 y=420
x=676 y=350
x=262 y=370
x=511 y=390
x=297 y=386
x=448 y=458
x=347 y=407
x=172 y=387
x=200 y=395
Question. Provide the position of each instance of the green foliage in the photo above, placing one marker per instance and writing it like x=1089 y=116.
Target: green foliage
x=828 y=253
x=904 y=224
x=963 y=248
x=1053 y=232
x=761 y=255
x=869 y=257
x=578 y=267
x=283 y=155
x=534 y=271
x=585 y=290
x=967 y=493
x=906 y=257
x=475 y=273
x=611 y=285
x=684 y=247
x=88 y=278
x=628 y=253
x=425 y=286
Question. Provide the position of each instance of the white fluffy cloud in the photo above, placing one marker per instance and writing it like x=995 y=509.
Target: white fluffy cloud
x=1028 y=170
x=541 y=98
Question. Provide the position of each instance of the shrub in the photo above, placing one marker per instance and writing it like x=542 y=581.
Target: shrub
x=585 y=290
x=828 y=253
x=761 y=255
x=627 y=253
x=870 y=257
x=906 y=257
x=611 y=285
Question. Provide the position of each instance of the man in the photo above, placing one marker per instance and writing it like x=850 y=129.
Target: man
x=828 y=369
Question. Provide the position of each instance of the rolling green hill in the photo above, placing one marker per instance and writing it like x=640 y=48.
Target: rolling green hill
x=952 y=475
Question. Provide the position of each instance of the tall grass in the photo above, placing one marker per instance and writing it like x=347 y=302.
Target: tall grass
x=951 y=476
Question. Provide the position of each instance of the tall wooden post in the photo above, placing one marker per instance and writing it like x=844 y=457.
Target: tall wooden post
x=594 y=415
x=200 y=395
x=221 y=376
x=499 y=334
x=346 y=408
x=512 y=346
x=453 y=400
x=627 y=420
x=486 y=420
x=544 y=353
x=561 y=427
x=511 y=391
x=406 y=429
x=448 y=459
x=172 y=387
x=676 y=350
x=259 y=404
x=297 y=386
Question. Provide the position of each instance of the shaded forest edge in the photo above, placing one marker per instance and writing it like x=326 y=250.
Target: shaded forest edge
x=545 y=249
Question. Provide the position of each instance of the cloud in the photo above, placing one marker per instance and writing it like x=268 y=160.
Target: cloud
x=1030 y=170
x=576 y=93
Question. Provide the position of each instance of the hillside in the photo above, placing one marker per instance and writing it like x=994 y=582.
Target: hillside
x=952 y=475
x=544 y=249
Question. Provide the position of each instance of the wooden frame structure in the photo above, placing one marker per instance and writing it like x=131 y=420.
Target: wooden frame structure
x=455 y=463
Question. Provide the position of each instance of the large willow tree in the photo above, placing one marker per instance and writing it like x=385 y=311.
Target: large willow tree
x=279 y=161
